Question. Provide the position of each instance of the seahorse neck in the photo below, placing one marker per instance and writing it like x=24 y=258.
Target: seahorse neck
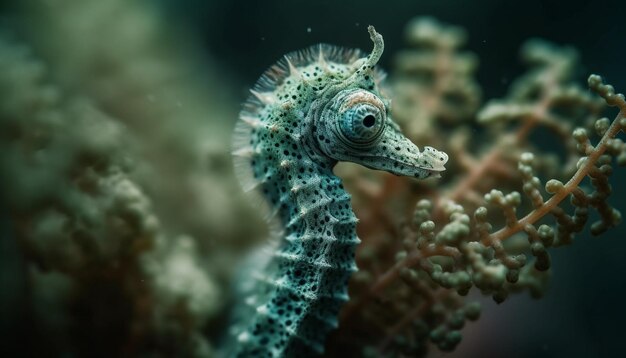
x=320 y=209
x=314 y=261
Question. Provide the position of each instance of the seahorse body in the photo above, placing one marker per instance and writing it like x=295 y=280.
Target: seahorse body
x=312 y=109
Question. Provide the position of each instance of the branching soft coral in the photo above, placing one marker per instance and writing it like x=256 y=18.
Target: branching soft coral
x=414 y=272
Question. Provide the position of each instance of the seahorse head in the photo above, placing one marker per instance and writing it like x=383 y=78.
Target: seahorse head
x=355 y=125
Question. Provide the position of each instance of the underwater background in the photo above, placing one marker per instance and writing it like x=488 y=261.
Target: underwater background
x=122 y=238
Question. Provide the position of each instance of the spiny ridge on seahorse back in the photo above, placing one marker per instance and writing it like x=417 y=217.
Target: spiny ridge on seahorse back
x=312 y=109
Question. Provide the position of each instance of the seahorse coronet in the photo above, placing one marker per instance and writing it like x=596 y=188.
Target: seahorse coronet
x=307 y=112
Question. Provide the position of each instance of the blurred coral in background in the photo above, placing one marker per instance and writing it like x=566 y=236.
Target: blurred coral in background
x=117 y=181
x=122 y=223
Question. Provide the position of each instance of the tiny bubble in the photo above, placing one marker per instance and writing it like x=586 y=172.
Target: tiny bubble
x=357 y=24
x=262 y=38
x=484 y=41
x=308 y=29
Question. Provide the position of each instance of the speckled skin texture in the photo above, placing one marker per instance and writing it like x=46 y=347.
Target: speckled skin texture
x=309 y=111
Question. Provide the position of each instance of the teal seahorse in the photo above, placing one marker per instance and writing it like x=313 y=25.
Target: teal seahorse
x=312 y=109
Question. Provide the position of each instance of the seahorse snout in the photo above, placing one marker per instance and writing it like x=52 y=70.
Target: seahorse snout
x=396 y=154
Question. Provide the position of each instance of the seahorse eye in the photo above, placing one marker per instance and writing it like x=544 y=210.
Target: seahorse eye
x=362 y=123
x=369 y=121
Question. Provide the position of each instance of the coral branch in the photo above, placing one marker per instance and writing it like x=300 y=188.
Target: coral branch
x=563 y=191
x=411 y=281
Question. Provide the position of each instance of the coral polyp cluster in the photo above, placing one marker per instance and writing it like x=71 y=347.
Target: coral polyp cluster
x=490 y=226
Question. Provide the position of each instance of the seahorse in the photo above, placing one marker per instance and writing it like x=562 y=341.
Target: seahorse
x=313 y=108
